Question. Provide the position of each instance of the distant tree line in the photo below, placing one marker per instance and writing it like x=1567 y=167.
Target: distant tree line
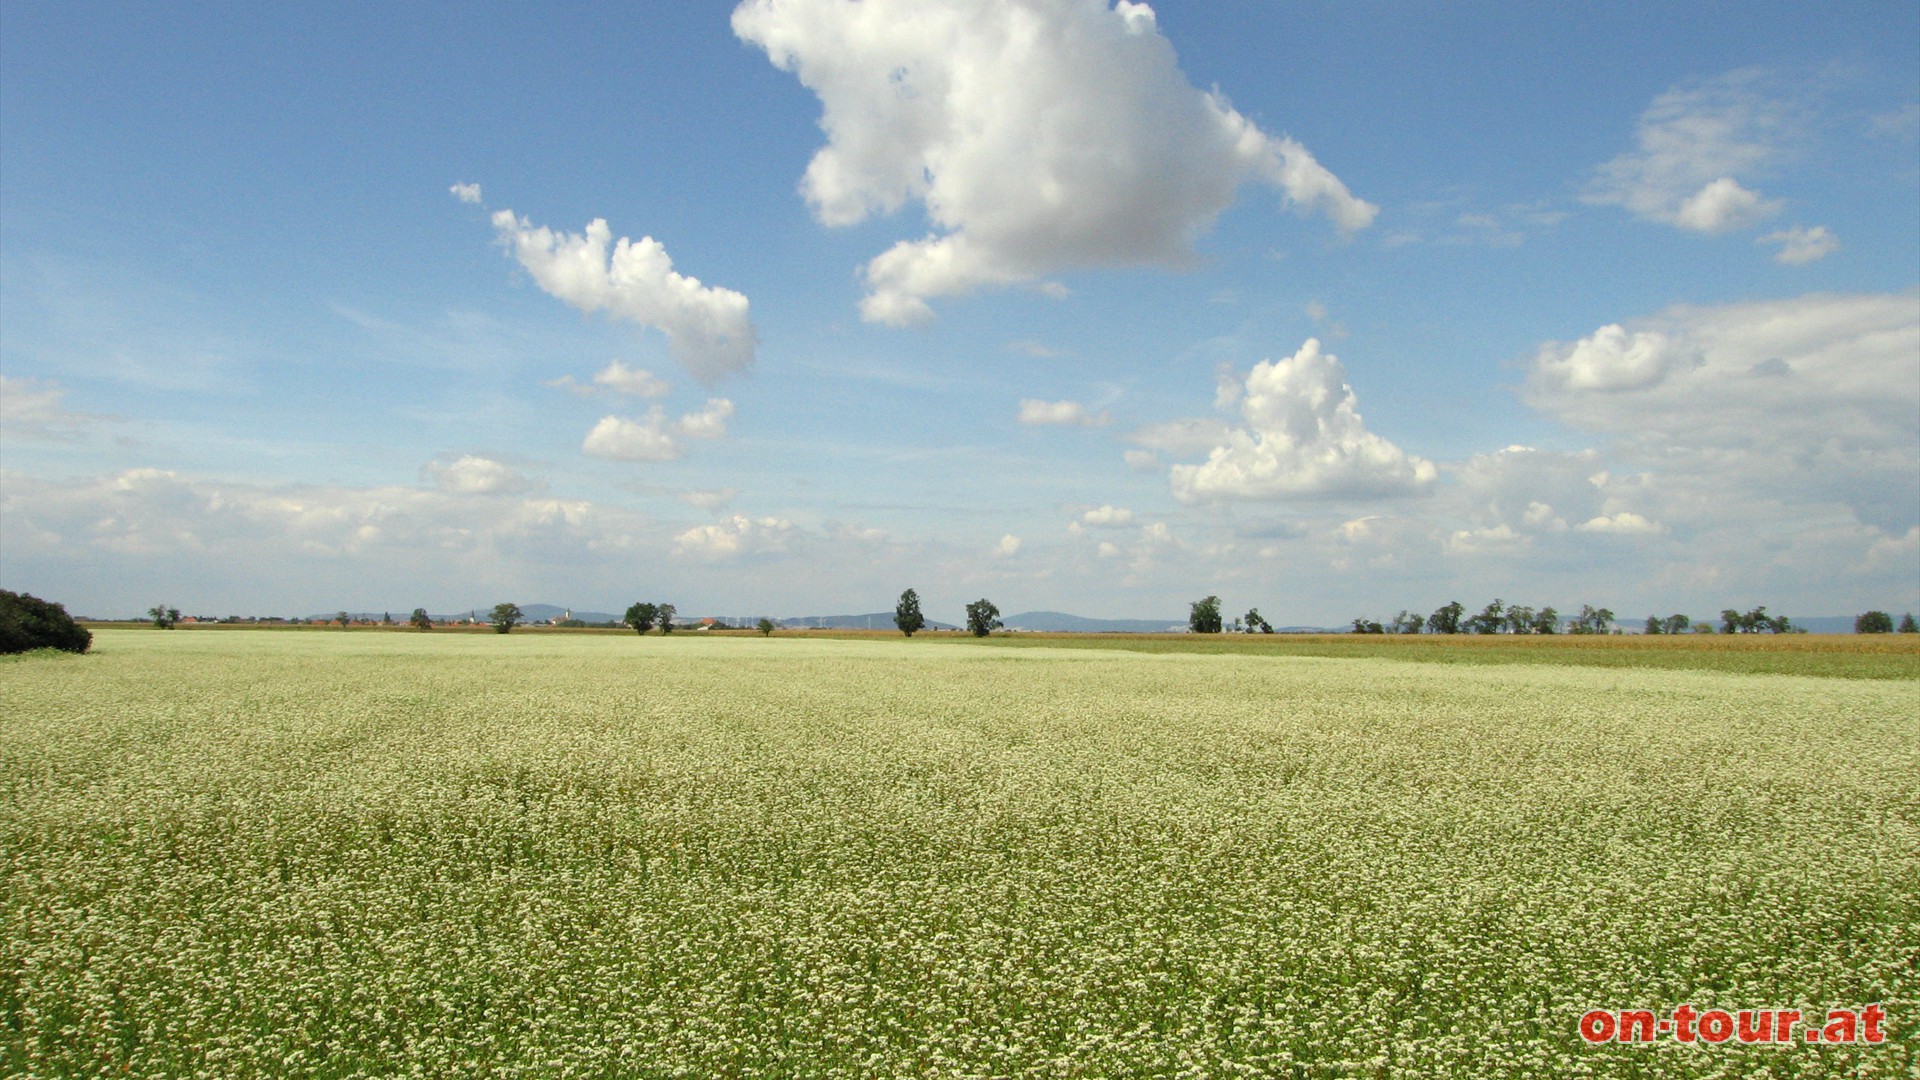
x=1205 y=616
x=1499 y=617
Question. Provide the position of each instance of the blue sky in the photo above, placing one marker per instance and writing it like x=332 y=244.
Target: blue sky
x=1329 y=309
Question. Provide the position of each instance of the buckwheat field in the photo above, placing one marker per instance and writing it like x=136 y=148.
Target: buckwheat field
x=377 y=854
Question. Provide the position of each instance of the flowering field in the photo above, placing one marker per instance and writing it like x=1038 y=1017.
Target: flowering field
x=259 y=853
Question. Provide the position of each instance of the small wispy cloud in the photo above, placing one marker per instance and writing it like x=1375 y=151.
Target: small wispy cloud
x=1035 y=349
x=1693 y=145
x=1037 y=413
x=1799 y=246
x=30 y=408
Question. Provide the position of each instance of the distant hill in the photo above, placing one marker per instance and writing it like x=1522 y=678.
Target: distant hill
x=1829 y=624
x=1059 y=622
x=543 y=612
x=878 y=620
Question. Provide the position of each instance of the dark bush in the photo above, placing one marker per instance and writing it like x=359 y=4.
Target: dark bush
x=28 y=622
x=1873 y=622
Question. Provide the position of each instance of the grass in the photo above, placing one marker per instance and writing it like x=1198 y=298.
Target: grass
x=356 y=854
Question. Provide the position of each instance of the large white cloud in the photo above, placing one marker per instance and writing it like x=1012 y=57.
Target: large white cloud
x=1692 y=145
x=1039 y=136
x=1303 y=438
x=1807 y=401
x=707 y=327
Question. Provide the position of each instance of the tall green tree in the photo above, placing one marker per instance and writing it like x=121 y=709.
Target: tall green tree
x=667 y=612
x=1592 y=620
x=1256 y=624
x=641 y=616
x=906 y=613
x=765 y=627
x=1520 y=619
x=505 y=617
x=1446 y=620
x=1907 y=625
x=164 y=617
x=1203 y=617
x=982 y=617
x=420 y=620
x=1491 y=618
x=1754 y=621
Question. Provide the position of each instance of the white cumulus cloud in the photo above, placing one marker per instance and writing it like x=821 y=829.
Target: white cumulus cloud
x=1612 y=359
x=1494 y=540
x=1008 y=547
x=471 y=474
x=1039 y=136
x=735 y=537
x=1799 y=246
x=1723 y=205
x=1039 y=413
x=620 y=438
x=622 y=379
x=466 y=193
x=652 y=437
x=709 y=423
x=1624 y=523
x=1303 y=437
x=1107 y=517
x=707 y=327
x=1693 y=143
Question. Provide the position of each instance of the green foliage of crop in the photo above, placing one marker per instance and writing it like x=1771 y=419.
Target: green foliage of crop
x=1824 y=655
x=259 y=854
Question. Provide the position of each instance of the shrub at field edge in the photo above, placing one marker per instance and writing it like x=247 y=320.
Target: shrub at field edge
x=28 y=622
